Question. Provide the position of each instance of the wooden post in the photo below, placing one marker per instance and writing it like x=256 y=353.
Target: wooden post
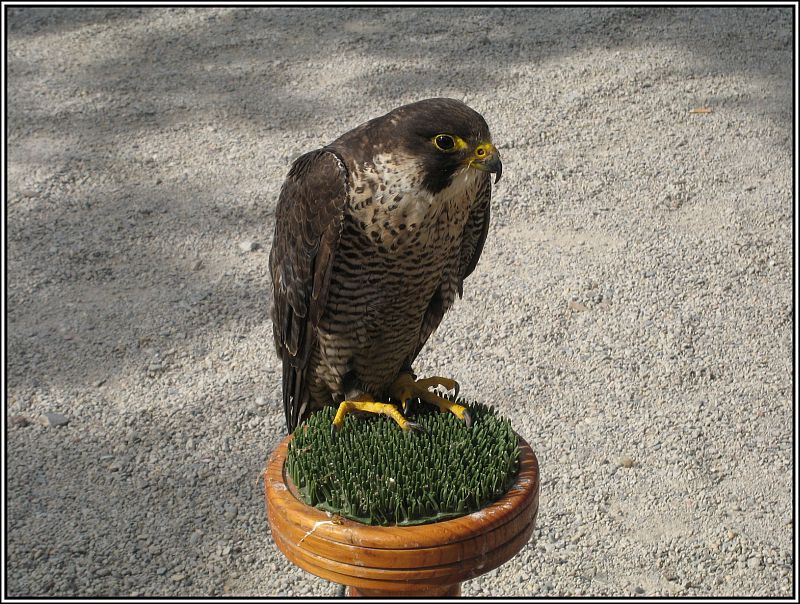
x=440 y=591
x=423 y=560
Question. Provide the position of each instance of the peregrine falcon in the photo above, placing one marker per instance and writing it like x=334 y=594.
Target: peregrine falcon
x=374 y=236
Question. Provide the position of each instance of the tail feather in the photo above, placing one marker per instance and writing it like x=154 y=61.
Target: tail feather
x=295 y=394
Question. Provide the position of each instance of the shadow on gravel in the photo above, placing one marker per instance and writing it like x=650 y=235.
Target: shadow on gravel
x=35 y=21
x=255 y=65
x=122 y=519
x=84 y=322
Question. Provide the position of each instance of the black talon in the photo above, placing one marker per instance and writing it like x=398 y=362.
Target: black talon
x=467 y=419
x=334 y=431
x=415 y=427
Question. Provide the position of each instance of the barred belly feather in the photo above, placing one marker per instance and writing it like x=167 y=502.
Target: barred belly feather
x=399 y=244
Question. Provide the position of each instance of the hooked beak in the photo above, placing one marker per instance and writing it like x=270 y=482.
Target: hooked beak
x=491 y=164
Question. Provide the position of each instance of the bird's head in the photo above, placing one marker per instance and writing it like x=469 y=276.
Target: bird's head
x=447 y=138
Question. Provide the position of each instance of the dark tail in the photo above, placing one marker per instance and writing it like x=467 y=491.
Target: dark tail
x=295 y=395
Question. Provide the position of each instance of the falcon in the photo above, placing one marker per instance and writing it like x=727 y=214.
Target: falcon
x=374 y=236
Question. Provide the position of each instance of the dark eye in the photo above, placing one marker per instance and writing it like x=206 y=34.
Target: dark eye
x=445 y=142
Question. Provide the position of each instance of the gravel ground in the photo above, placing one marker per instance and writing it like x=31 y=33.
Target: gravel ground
x=641 y=339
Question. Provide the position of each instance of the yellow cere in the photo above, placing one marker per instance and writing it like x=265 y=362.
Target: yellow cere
x=484 y=150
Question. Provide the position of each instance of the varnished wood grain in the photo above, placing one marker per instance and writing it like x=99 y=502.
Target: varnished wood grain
x=437 y=591
x=425 y=559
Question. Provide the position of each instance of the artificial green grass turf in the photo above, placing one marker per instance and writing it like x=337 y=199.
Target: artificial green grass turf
x=375 y=473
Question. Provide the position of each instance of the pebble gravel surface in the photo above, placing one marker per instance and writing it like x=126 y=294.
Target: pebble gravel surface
x=632 y=312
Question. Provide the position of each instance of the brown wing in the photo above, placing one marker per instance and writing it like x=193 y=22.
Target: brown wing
x=475 y=231
x=308 y=225
x=472 y=241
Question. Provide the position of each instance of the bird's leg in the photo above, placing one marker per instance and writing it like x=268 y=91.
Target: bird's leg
x=405 y=387
x=367 y=404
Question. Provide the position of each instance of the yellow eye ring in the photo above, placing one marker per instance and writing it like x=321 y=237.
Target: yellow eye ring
x=448 y=142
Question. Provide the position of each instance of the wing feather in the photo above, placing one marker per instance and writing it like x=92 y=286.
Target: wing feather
x=308 y=226
x=475 y=231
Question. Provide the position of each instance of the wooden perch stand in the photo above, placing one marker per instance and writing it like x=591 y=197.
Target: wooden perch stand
x=423 y=560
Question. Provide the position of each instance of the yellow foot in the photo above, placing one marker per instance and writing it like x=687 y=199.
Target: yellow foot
x=367 y=404
x=405 y=388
